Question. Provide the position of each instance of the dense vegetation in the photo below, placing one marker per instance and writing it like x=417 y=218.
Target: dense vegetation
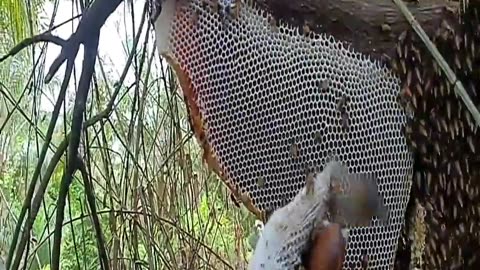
x=158 y=206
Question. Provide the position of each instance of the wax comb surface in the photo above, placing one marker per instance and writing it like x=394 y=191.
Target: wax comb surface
x=269 y=103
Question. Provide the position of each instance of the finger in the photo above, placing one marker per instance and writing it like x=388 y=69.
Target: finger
x=328 y=250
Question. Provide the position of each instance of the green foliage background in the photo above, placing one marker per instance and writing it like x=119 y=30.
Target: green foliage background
x=159 y=206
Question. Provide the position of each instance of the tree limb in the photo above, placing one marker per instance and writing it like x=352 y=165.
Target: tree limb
x=90 y=55
x=88 y=33
x=369 y=26
x=91 y=22
x=44 y=37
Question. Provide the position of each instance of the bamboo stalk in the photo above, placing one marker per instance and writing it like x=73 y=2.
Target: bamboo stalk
x=452 y=78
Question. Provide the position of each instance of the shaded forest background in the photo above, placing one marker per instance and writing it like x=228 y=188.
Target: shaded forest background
x=158 y=206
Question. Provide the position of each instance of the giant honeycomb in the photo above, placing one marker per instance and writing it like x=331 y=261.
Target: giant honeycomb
x=269 y=102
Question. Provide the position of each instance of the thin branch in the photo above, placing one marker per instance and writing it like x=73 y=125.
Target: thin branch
x=102 y=251
x=63 y=23
x=44 y=37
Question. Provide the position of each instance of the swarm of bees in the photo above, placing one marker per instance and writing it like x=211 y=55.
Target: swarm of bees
x=443 y=136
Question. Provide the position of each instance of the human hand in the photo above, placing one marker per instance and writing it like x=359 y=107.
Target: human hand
x=328 y=249
x=333 y=196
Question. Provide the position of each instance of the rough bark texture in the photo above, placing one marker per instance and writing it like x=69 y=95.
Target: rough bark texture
x=370 y=26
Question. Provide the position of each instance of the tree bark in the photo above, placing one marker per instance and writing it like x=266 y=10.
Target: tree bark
x=369 y=26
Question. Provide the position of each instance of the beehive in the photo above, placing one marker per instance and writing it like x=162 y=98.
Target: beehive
x=269 y=103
